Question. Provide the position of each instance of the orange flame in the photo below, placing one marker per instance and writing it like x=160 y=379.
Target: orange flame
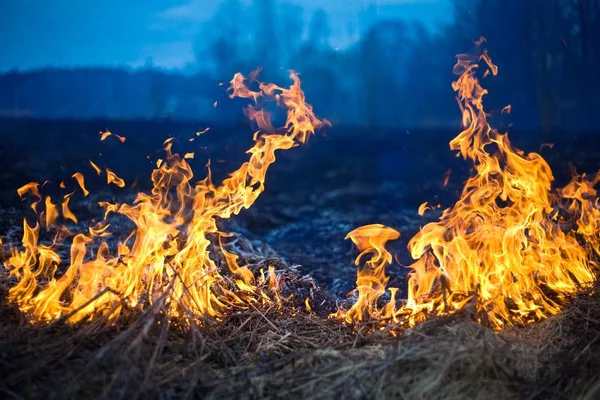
x=499 y=248
x=104 y=135
x=96 y=168
x=81 y=182
x=167 y=257
x=111 y=177
x=371 y=280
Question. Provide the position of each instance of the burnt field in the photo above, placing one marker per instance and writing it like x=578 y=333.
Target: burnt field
x=314 y=195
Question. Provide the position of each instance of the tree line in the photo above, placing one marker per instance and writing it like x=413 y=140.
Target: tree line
x=396 y=75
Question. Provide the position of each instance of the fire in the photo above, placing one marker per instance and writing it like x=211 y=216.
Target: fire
x=505 y=248
x=371 y=282
x=166 y=259
x=111 y=177
x=78 y=176
x=104 y=135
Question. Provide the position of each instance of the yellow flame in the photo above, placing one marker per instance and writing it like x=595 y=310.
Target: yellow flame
x=66 y=211
x=31 y=189
x=96 y=168
x=371 y=280
x=168 y=253
x=499 y=247
x=111 y=177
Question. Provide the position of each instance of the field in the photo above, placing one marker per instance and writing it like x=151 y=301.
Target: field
x=315 y=194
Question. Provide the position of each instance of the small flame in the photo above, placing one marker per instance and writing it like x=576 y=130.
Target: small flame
x=81 y=182
x=66 y=212
x=371 y=279
x=96 y=168
x=203 y=131
x=111 y=177
x=306 y=302
x=104 y=135
x=447 y=177
x=31 y=189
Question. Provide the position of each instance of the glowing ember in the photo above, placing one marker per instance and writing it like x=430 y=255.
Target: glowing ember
x=502 y=247
x=166 y=258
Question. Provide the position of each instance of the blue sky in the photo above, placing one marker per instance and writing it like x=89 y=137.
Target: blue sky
x=38 y=33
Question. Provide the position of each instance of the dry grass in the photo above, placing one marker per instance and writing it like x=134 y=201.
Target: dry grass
x=287 y=352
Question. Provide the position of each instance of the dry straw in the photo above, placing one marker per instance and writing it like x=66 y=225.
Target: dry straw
x=284 y=351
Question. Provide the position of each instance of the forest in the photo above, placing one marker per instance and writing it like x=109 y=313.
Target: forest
x=396 y=75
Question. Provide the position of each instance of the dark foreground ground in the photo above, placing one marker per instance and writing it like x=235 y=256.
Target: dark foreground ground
x=315 y=194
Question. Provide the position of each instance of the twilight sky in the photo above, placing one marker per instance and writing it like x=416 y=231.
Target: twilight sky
x=39 y=33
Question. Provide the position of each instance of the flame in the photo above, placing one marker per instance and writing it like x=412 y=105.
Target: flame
x=167 y=258
x=500 y=248
x=426 y=207
x=203 y=131
x=104 y=135
x=81 y=182
x=32 y=189
x=66 y=211
x=111 y=177
x=581 y=200
x=96 y=168
x=447 y=177
x=371 y=280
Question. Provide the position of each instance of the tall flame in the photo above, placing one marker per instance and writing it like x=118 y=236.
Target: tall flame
x=167 y=257
x=502 y=247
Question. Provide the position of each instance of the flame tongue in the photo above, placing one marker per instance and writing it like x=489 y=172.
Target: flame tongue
x=168 y=253
x=371 y=281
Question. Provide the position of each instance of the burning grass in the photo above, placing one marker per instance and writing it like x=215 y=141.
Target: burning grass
x=512 y=246
x=184 y=309
x=287 y=352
